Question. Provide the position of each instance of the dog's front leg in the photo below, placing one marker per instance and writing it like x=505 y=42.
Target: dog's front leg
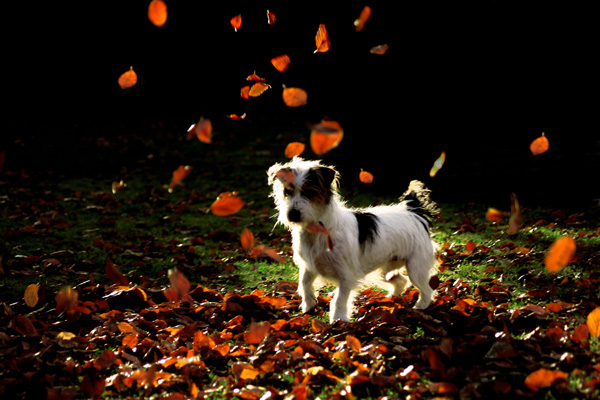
x=340 y=304
x=306 y=289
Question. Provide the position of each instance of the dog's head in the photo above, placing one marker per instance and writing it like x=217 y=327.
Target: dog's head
x=302 y=190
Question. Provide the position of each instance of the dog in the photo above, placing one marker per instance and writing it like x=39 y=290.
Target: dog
x=344 y=245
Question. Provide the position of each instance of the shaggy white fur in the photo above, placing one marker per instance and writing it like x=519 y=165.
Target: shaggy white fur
x=354 y=243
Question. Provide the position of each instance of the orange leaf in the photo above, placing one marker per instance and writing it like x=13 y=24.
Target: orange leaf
x=178 y=175
x=560 y=254
x=437 y=165
x=365 y=177
x=325 y=136
x=236 y=22
x=257 y=332
x=255 y=78
x=114 y=273
x=126 y=327
x=286 y=175
x=128 y=79
x=226 y=204
x=130 y=341
x=494 y=214
x=179 y=282
x=66 y=299
x=380 y=49
x=245 y=92
x=257 y=89
x=543 y=378
x=270 y=18
x=281 y=63
x=118 y=186
x=294 y=149
x=270 y=253
x=593 y=322
x=31 y=295
x=294 y=97
x=157 y=12
x=581 y=333
x=353 y=343
x=515 y=219
x=539 y=145
x=236 y=117
x=322 y=39
x=245 y=371
x=360 y=22
x=202 y=129
x=247 y=239
x=317 y=228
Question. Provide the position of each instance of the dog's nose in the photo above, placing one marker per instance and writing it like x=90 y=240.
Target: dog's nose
x=294 y=215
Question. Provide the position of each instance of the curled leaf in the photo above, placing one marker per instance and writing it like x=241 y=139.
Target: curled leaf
x=157 y=12
x=202 y=130
x=128 y=79
x=437 y=165
x=325 y=136
x=322 y=39
x=236 y=117
x=379 y=49
x=560 y=254
x=257 y=89
x=362 y=19
x=270 y=18
x=178 y=175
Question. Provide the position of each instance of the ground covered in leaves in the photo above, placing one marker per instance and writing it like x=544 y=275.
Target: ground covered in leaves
x=104 y=317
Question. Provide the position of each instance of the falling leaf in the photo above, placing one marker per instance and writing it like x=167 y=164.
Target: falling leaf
x=286 y=176
x=31 y=295
x=180 y=285
x=322 y=39
x=379 y=49
x=247 y=239
x=245 y=92
x=270 y=18
x=254 y=78
x=236 y=117
x=114 y=273
x=515 y=219
x=157 y=12
x=128 y=79
x=539 y=145
x=543 y=378
x=294 y=149
x=317 y=228
x=494 y=214
x=437 y=165
x=593 y=322
x=118 y=186
x=66 y=299
x=257 y=89
x=362 y=19
x=236 y=22
x=269 y=252
x=202 y=130
x=178 y=175
x=294 y=97
x=281 y=63
x=560 y=254
x=226 y=204
x=365 y=177
x=325 y=136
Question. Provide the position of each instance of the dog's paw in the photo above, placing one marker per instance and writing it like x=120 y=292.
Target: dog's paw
x=308 y=304
x=339 y=317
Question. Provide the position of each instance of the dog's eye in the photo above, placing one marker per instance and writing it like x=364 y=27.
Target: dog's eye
x=288 y=191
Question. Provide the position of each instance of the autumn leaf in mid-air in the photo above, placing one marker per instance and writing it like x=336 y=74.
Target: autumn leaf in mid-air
x=180 y=285
x=539 y=145
x=325 y=136
x=362 y=19
x=294 y=149
x=286 y=176
x=178 y=175
x=157 y=12
x=560 y=254
x=294 y=97
x=322 y=39
x=515 y=219
x=227 y=203
x=257 y=89
x=128 y=79
x=236 y=117
x=31 y=295
x=365 y=177
x=66 y=299
x=319 y=229
x=247 y=240
x=593 y=322
x=494 y=214
x=437 y=165
x=236 y=22
x=270 y=18
x=202 y=130
x=379 y=49
x=281 y=63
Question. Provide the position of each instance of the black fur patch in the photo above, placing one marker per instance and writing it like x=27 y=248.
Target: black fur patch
x=415 y=207
x=367 y=226
x=317 y=185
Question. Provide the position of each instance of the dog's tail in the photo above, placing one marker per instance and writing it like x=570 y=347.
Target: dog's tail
x=417 y=199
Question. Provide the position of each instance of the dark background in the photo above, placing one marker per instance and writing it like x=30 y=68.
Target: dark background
x=477 y=79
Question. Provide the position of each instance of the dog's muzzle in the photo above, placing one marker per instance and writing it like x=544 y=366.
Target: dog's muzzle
x=294 y=215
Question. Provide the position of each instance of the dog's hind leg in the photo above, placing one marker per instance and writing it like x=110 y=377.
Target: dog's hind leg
x=341 y=303
x=420 y=272
x=306 y=289
x=392 y=275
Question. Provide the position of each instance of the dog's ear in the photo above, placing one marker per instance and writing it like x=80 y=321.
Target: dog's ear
x=329 y=176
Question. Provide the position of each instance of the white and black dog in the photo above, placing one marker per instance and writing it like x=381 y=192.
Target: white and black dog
x=343 y=245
